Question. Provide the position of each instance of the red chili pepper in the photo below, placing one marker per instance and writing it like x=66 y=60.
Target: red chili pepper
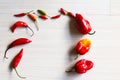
x=62 y=11
x=21 y=14
x=20 y=24
x=43 y=17
x=16 y=61
x=82 y=66
x=56 y=16
x=17 y=42
x=82 y=47
x=33 y=18
x=83 y=25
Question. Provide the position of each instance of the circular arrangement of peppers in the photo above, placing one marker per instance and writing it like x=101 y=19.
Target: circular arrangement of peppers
x=82 y=47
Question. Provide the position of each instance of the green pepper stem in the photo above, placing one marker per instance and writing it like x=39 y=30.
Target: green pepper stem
x=18 y=74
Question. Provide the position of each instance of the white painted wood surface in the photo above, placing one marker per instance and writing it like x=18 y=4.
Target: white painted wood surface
x=47 y=57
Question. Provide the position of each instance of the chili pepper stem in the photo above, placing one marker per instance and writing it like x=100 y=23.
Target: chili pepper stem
x=77 y=55
x=70 y=70
x=31 y=31
x=35 y=22
x=92 y=33
x=29 y=12
x=19 y=74
x=35 y=14
x=6 y=53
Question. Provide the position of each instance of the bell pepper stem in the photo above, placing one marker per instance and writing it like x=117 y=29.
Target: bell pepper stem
x=18 y=74
x=77 y=55
x=70 y=70
x=92 y=33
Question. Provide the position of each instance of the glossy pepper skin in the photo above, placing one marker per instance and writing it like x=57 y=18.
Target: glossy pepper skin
x=83 y=46
x=16 y=62
x=17 y=42
x=83 y=65
x=83 y=25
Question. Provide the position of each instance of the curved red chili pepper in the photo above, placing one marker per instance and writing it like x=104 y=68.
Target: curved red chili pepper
x=16 y=61
x=20 y=24
x=83 y=25
x=56 y=16
x=17 y=42
x=82 y=66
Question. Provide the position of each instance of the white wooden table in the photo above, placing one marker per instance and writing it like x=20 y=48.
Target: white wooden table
x=47 y=57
